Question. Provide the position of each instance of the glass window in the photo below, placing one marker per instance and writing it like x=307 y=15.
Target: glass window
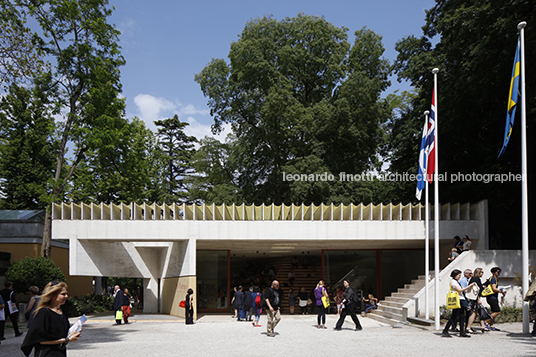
x=358 y=267
x=212 y=279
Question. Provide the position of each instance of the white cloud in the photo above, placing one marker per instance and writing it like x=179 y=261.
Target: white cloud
x=200 y=130
x=152 y=108
x=189 y=109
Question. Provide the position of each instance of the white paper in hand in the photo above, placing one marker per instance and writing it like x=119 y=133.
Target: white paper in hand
x=77 y=326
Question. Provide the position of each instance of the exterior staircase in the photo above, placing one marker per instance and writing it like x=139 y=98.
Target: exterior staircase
x=389 y=311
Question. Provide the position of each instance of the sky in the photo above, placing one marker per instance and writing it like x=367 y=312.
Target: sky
x=165 y=43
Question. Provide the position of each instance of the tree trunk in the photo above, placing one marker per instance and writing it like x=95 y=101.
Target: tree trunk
x=47 y=236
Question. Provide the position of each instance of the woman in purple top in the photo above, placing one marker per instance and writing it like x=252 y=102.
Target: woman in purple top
x=321 y=291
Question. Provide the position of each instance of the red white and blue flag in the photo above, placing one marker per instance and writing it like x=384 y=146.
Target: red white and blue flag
x=430 y=141
x=421 y=178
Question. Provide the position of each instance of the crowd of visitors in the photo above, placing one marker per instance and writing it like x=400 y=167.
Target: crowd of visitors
x=470 y=290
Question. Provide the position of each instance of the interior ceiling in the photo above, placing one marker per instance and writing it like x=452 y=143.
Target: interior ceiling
x=255 y=247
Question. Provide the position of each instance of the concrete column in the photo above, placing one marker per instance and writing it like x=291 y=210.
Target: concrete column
x=150 y=295
x=98 y=285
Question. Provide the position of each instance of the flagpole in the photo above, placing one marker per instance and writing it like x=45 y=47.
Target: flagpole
x=436 y=207
x=427 y=240
x=524 y=185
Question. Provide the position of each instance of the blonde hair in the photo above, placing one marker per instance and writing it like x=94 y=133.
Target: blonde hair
x=320 y=283
x=51 y=291
x=477 y=272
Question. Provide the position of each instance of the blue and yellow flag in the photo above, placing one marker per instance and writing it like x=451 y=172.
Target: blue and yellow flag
x=512 y=99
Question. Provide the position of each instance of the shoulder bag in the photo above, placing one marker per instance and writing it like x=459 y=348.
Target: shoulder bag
x=453 y=299
x=488 y=290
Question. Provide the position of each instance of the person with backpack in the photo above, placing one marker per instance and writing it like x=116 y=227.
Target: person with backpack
x=249 y=304
x=273 y=304
x=256 y=305
x=350 y=301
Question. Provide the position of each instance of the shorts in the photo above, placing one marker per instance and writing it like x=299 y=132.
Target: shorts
x=494 y=304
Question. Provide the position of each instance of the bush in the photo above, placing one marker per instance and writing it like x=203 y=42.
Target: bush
x=88 y=304
x=444 y=313
x=38 y=271
x=508 y=314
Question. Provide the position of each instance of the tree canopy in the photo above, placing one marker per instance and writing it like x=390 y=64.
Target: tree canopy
x=296 y=92
x=474 y=54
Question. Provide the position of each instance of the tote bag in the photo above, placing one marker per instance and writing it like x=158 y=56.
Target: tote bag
x=325 y=301
x=453 y=299
x=119 y=315
x=488 y=290
x=11 y=305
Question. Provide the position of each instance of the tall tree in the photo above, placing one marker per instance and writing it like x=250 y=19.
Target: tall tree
x=216 y=178
x=83 y=83
x=474 y=53
x=125 y=168
x=21 y=58
x=27 y=146
x=293 y=90
x=177 y=150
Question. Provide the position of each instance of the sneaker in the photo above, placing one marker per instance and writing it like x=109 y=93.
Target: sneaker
x=445 y=334
x=253 y=323
x=494 y=328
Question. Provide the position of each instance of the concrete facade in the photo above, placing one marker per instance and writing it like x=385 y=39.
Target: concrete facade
x=159 y=242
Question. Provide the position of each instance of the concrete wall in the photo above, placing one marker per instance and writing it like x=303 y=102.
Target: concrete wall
x=153 y=261
x=508 y=260
x=174 y=291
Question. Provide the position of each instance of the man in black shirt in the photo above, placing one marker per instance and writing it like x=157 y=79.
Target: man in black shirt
x=273 y=304
x=8 y=295
x=349 y=298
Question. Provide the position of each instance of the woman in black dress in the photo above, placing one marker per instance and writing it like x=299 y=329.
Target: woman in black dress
x=48 y=331
x=189 y=307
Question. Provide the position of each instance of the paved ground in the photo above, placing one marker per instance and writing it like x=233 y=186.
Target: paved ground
x=220 y=335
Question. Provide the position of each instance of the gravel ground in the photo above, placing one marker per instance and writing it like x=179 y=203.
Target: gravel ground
x=220 y=335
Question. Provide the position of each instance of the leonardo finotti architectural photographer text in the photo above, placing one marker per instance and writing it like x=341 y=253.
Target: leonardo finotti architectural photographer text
x=398 y=177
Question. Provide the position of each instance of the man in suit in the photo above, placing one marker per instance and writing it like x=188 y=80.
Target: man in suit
x=118 y=302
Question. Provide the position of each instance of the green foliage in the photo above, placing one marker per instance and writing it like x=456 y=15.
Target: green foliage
x=125 y=283
x=38 y=271
x=296 y=92
x=474 y=51
x=21 y=58
x=508 y=314
x=88 y=304
x=122 y=169
x=216 y=167
x=177 y=150
x=27 y=145
x=444 y=313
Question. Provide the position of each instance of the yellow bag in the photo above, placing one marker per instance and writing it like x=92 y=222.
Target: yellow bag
x=488 y=290
x=453 y=299
x=119 y=315
x=325 y=301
